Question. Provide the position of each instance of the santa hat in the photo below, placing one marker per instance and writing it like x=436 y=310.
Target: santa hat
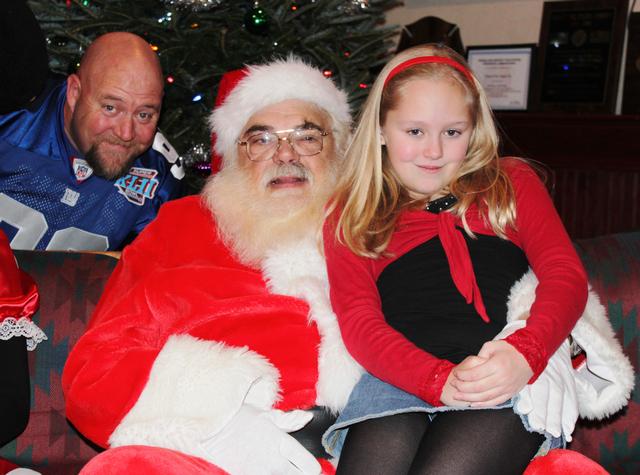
x=228 y=82
x=242 y=93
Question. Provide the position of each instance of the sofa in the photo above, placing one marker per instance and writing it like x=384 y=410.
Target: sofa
x=71 y=283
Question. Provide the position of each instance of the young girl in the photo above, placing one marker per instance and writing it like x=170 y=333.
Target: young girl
x=18 y=301
x=430 y=230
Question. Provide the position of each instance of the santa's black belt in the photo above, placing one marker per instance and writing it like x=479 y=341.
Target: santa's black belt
x=310 y=436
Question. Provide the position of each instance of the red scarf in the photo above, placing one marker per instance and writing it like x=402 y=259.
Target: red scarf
x=416 y=227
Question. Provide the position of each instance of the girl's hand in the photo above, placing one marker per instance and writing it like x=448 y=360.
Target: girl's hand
x=502 y=373
x=449 y=389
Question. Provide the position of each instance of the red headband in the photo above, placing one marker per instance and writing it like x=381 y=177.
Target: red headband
x=428 y=59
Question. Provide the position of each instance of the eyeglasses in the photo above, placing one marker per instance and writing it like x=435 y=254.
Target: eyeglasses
x=264 y=145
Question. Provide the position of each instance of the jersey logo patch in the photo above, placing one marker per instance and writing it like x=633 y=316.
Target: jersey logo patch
x=81 y=169
x=138 y=185
x=70 y=197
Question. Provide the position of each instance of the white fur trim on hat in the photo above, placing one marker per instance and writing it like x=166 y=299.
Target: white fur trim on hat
x=269 y=84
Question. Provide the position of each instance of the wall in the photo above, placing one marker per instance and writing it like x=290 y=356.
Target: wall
x=481 y=22
x=488 y=22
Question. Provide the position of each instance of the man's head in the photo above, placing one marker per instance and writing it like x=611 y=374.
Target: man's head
x=281 y=132
x=113 y=102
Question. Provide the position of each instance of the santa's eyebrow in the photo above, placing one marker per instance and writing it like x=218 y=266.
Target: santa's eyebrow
x=258 y=128
x=306 y=125
x=309 y=125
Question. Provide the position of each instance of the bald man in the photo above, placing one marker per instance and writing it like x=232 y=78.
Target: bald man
x=82 y=165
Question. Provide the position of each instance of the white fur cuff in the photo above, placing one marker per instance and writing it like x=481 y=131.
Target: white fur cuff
x=194 y=388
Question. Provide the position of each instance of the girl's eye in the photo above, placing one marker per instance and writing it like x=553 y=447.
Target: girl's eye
x=414 y=132
x=452 y=132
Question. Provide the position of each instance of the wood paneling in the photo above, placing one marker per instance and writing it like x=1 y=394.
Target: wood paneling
x=594 y=162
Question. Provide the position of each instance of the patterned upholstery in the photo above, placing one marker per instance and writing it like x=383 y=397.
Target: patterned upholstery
x=71 y=283
x=613 y=264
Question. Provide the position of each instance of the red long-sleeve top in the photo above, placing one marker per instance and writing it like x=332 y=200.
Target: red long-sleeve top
x=387 y=354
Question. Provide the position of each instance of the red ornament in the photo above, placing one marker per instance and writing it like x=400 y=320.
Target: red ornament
x=170 y=79
x=327 y=73
x=363 y=85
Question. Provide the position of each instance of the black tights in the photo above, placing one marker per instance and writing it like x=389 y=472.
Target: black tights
x=488 y=441
x=14 y=388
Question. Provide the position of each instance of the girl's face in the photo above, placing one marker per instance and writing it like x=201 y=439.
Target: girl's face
x=427 y=135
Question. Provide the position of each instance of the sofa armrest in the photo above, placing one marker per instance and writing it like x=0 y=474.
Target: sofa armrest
x=613 y=265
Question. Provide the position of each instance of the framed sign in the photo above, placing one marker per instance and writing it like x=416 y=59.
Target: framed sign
x=579 y=56
x=504 y=72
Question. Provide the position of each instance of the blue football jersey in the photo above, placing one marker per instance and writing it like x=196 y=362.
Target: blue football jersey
x=49 y=197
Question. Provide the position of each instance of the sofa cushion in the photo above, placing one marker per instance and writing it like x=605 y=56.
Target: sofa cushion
x=613 y=265
x=70 y=285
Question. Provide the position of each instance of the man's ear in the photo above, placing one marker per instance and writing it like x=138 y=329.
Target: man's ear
x=73 y=90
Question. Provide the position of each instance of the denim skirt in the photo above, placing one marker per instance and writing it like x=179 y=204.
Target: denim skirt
x=372 y=398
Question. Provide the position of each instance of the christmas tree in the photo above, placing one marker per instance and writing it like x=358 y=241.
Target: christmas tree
x=199 y=40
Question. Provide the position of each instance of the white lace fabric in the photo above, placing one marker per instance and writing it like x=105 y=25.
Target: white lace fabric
x=23 y=326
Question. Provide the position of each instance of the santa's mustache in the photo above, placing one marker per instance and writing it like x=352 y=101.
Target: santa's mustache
x=295 y=170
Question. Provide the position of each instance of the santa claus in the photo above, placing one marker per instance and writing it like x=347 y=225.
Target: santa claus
x=215 y=337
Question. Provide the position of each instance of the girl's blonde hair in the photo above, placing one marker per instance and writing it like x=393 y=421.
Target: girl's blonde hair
x=370 y=195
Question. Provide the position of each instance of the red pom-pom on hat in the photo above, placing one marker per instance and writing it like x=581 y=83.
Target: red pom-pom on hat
x=564 y=462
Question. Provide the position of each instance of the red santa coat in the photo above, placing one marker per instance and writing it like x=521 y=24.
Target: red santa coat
x=184 y=334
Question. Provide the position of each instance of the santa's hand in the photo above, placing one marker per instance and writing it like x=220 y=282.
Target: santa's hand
x=257 y=442
x=550 y=403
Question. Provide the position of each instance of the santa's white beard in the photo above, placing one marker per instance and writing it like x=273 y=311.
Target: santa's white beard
x=251 y=222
